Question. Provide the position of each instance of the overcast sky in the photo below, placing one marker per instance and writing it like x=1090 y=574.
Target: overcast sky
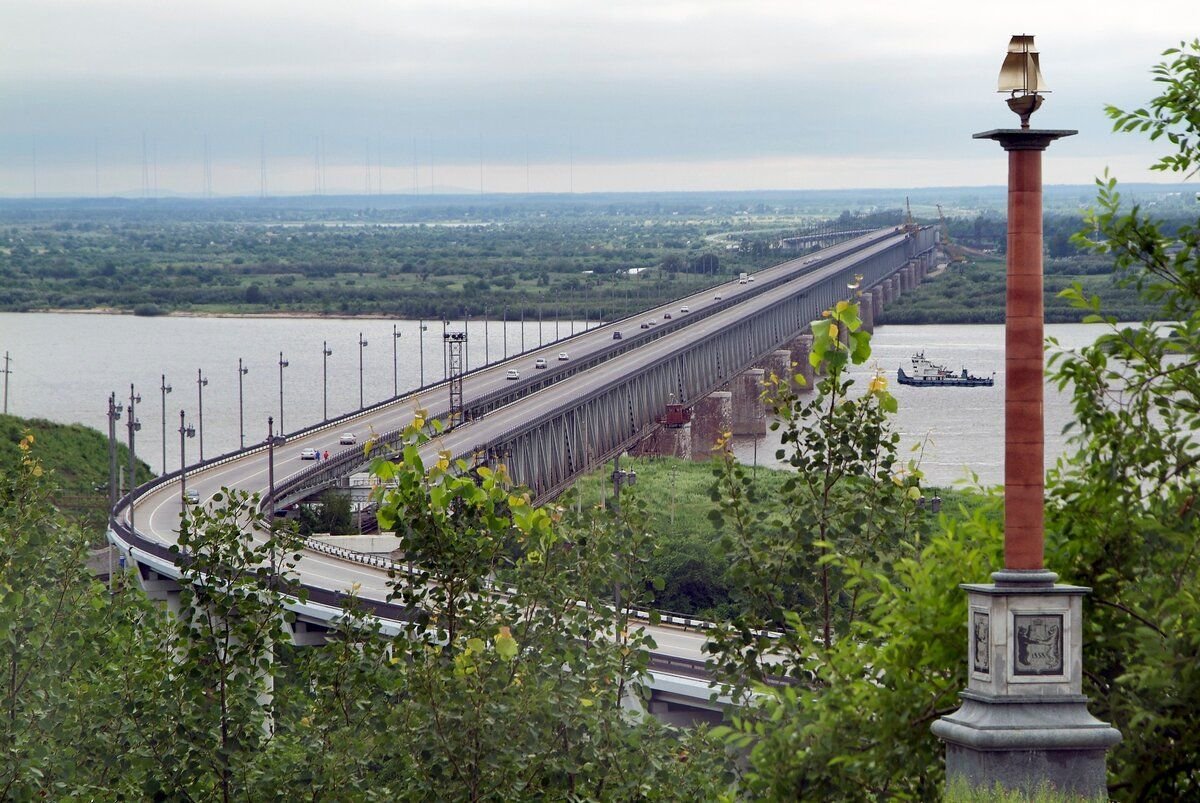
x=112 y=96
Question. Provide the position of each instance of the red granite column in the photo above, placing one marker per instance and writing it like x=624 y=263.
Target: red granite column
x=1024 y=438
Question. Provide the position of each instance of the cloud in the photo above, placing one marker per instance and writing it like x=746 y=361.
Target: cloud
x=702 y=81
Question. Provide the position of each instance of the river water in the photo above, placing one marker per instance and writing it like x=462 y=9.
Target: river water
x=65 y=365
x=954 y=432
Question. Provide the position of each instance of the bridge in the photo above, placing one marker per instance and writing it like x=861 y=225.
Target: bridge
x=548 y=426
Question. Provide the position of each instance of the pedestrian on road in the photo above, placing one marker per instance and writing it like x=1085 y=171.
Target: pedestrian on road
x=326 y=454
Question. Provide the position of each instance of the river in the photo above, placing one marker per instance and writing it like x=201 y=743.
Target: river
x=65 y=365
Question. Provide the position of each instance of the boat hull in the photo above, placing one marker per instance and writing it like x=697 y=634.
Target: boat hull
x=966 y=381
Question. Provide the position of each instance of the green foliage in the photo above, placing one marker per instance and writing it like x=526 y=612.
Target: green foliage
x=847 y=503
x=515 y=676
x=75 y=459
x=868 y=648
x=1123 y=516
x=332 y=515
x=975 y=293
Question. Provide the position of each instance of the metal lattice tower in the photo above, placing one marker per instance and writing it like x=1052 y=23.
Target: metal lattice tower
x=455 y=343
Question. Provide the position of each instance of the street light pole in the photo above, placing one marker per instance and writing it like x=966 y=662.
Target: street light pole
x=114 y=415
x=282 y=364
x=421 y=336
x=619 y=479
x=326 y=353
x=134 y=425
x=395 y=366
x=505 y=325
x=242 y=371
x=190 y=432
x=272 y=442
x=201 y=382
x=7 y=372
x=165 y=388
x=361 y=344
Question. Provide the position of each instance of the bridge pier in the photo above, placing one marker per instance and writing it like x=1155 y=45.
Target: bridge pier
x=889 y=291
x=866 y=311
x=876 y=303
x=801 y=347
x=712 y=417
x=674 y=441
x=749 y=413
x=779 y=363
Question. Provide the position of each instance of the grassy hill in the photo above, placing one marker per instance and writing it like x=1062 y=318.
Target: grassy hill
x=76 y=459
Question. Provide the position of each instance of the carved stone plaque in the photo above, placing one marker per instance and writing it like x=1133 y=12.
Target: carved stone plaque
x=981 y=642
x=1038 y=644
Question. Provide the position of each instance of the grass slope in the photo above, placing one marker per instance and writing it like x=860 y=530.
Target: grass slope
x=75 y=457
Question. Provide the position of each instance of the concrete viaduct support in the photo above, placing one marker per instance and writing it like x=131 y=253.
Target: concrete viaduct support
x=749 y=413
x=801 y=347
x=779 y=363
x=712 y=417
x=670 y=442
x=866 y=311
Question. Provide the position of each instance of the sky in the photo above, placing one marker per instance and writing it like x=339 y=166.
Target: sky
x=105 y=97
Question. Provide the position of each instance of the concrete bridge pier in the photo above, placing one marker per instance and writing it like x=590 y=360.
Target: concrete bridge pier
x=866 y=312
x=778 y=363
x=670 y=442
x=876 y=303
x=801 y=347
x=890 y=291
x=749 y=413
x=712 y=417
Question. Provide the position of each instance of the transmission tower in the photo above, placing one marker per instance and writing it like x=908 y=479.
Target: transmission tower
x=455 y=344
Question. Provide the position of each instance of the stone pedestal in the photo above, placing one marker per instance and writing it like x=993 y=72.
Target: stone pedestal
x=712 y=417
x=1024 y=719
x=749 y=413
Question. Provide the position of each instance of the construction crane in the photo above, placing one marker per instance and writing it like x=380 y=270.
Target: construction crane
x=910 y=225
x=954 y=253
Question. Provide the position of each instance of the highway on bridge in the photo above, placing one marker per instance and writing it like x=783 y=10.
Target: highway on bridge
x=157 y=511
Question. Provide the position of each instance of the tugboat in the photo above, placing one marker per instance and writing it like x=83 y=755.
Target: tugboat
x=926 y=374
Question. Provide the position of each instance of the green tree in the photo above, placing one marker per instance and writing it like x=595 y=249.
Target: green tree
x=848 y=501
x=517 y=675
x=1123 y=507
x=209 y=669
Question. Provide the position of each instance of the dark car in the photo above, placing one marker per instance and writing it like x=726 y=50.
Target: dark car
x=616 y=335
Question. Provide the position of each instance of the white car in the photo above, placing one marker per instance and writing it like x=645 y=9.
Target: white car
x=539 y=363
x=513 y=374
x=653 y=322
x=563 y=356
x=685 y=310
x=309 y=454
x=348 y=438
x=191 y=496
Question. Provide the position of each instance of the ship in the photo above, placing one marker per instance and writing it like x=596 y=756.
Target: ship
x=926 y=374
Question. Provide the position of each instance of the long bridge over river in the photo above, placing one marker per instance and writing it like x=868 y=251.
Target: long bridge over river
x=549 y=425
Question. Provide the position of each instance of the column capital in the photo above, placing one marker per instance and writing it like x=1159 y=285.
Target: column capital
x=1025 y=139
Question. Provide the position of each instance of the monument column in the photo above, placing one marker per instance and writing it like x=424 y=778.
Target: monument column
x=1024 y=719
